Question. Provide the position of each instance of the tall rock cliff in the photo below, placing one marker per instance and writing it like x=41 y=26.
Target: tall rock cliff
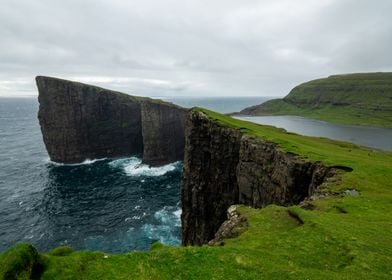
x=80 y=121
x=223 y=166
x=163 y=132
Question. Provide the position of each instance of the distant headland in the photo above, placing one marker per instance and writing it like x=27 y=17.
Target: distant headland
x=357 y=99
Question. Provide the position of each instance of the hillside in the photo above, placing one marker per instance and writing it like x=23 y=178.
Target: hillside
x=344 y=232
x=356 y=99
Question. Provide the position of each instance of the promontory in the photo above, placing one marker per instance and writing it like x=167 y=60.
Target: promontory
x=80 y=121
x=356 y=99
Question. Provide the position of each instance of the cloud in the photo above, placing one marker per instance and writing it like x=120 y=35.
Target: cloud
x=204 y=48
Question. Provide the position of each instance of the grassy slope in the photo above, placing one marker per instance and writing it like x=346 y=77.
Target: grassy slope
x=329 y=245
x=360 y=99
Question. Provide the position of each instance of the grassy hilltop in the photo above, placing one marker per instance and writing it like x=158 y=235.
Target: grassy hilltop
x=358 y=99
x=342 y=236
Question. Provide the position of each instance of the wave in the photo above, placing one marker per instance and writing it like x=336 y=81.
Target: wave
x=85 y=162
x=167 y=228
x=134 y=167
x=162 y=233
x=169 y=215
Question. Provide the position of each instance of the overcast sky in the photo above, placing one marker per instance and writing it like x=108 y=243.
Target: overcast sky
x=191 y=48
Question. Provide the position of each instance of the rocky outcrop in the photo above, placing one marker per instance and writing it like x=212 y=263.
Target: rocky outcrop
x=80 y=122
x=223 y=166
x=232 y=227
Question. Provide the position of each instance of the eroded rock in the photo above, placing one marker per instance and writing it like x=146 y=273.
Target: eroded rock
x=80 y=122
x=232 y=227
x=222 y=167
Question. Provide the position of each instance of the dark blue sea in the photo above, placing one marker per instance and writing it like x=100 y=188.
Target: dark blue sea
x=113 y=205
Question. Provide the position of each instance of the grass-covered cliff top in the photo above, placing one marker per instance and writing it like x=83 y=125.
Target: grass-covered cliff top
x=359 y=99
x=343 y=237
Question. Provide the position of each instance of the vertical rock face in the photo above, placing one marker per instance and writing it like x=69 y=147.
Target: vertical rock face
x=267 y=175
x=80 y=121
x=224 y=167
x=209 y=183
x=163 y=133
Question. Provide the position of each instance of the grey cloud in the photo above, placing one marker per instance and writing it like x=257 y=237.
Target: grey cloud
x=184 y=48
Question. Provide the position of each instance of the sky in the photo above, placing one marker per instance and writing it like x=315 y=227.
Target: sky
x=191 y=48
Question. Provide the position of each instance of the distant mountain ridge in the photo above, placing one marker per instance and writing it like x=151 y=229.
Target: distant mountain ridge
x=358 y=99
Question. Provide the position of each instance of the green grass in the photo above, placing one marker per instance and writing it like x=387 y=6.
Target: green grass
x=343 y=237
x=20 y=262
x=356 y=99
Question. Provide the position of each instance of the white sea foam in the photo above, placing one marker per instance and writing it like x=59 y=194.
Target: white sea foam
x=90 y=161
x=167 y=223
x=85 y=162
x=135 y=217
x=178 y=213
x=143 y=169
x=169 y=215
x=162 y=233
x=120 y=163
x=134 y=167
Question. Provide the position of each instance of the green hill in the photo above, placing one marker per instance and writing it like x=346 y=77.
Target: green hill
x=345 y=234
x=357 y=99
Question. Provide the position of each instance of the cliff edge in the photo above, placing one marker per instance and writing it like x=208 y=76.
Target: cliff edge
x=80 y=121
x=223 y=166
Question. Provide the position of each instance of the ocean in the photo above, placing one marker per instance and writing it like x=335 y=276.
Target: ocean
x=112 y=205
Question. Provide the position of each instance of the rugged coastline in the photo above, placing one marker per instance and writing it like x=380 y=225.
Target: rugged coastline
x=223 y=166
x=80 y=121
x=229 y=161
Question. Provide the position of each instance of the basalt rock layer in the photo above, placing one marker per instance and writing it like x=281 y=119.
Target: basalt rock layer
x=80 y=122
x=224 y=166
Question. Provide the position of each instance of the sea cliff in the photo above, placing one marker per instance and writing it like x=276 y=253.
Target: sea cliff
x=224 y=166
x=80 y=121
